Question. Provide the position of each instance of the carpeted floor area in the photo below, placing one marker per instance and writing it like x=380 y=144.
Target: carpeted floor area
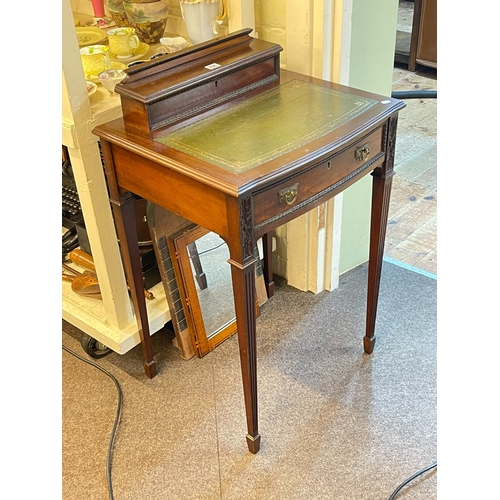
x=335 y=422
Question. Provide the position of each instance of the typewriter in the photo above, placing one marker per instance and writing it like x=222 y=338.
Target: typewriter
x=71 y=209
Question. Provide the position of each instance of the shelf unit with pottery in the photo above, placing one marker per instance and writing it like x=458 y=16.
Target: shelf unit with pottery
x=111 y=320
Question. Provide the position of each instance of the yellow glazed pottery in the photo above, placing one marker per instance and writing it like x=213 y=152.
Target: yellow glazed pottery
x=95 y=60
x=123 y=42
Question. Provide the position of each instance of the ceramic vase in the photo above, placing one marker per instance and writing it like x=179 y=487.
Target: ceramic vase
x=117 y=12
x=148 y=17
x=98 y=6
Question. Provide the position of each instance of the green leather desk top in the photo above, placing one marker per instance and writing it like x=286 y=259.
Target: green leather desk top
x=267 y=125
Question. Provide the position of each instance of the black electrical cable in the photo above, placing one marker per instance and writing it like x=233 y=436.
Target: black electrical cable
x=118 y=415
x=117 y=418
x=411 y=478
x=414 y=94
x=211 y=249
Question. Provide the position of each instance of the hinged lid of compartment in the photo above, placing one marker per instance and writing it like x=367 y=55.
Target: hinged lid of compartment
x=177 y=86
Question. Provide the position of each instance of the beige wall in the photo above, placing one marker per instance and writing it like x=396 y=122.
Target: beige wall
x=373 y=40
x=270 y=23
x=368 y=57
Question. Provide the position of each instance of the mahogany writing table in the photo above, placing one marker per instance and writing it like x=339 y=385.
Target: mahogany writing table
x=243 y=166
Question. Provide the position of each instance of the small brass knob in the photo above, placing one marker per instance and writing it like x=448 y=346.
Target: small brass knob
x=363 y=152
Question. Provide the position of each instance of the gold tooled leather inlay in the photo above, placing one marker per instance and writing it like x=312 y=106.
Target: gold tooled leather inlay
x=267 y=126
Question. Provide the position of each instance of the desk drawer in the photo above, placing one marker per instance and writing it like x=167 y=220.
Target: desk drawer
x=299 y=189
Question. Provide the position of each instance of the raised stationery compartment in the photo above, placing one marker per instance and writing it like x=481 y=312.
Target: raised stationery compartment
x=177 y=86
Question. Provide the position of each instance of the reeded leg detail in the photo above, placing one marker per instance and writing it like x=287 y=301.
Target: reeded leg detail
x=244 y=288
x=380 y=209
x=381 y=194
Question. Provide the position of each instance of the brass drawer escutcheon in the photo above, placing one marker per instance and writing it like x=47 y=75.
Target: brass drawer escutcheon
x=363 y=152
x=288 y=196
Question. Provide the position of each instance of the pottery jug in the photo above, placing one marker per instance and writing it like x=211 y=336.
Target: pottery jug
x=202 y=18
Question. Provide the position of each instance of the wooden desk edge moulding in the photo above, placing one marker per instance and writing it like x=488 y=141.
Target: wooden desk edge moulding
x=219 y=135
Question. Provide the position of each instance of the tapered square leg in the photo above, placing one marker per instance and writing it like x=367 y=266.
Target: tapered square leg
x=244 y=293
x=381 y=194
x=253 y=443
x=122 y=204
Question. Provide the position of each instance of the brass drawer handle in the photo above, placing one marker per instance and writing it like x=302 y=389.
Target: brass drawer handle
x=288 y=196
x=363 y=152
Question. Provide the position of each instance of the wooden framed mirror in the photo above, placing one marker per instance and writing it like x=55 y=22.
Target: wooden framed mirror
x=197 y=281
x=202 y=265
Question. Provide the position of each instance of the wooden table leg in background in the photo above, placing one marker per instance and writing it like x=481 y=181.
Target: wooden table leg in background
x=267 y=250
x=199 y=275
x=381 y=194
x=125 y=222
